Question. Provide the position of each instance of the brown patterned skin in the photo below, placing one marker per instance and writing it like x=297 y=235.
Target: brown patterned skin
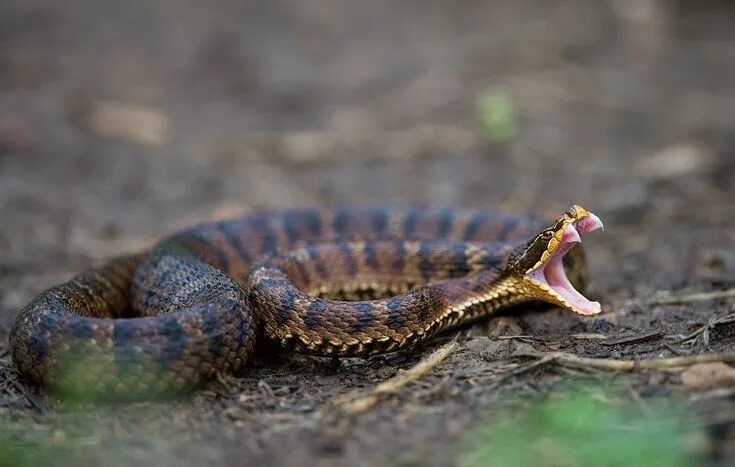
x=312 y=280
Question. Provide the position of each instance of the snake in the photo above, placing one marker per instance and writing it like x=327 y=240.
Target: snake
x=331 y=282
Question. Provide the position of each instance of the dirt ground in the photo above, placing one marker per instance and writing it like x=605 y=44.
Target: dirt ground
x=122 y=121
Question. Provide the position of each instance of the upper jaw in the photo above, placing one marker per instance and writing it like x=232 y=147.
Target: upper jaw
x=588 y=223
x=551 y=280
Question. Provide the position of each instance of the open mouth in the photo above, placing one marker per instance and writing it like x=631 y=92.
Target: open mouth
x=550 y=275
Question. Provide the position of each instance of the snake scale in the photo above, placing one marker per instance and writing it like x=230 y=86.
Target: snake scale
x=341 y=282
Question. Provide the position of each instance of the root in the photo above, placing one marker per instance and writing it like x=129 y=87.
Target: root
x=364 y=403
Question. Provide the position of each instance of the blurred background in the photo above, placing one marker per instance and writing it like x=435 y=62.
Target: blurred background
x=122 y=121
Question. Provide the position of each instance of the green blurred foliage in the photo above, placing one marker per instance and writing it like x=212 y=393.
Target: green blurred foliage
x=88 y=375
x=581 y=429
x=17 y=451
x=497 y=116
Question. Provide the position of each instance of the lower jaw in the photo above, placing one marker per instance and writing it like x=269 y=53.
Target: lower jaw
x=544 y=281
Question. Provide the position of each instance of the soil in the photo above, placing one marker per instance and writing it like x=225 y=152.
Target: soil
x=123 y=121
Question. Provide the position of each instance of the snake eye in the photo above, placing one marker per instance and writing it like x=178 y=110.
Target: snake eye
x=547 y=234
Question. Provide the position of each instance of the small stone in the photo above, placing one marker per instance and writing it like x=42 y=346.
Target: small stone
x=133 y=123
x=675 y=161
x=487 y=349
x=504 y=326
x=599 y=325
x=522 y=348
x=15 y=134
x=708 y=376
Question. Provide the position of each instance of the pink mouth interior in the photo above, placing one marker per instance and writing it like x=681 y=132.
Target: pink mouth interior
x=552 y=271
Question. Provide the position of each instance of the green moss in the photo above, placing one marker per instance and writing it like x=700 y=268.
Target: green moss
x=581 y=429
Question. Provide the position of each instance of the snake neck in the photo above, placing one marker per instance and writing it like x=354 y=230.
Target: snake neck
x=482 y=295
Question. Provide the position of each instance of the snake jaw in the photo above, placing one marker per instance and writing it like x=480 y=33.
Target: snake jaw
x=548 y=276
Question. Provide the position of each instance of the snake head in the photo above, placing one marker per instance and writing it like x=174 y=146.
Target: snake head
x=539 y=262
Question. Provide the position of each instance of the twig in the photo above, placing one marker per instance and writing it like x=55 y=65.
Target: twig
x=565 y=358
x=588 y=336
x=713 y=394
x=12 y=386
x=543 y=360
x=30 y=397
x=697 y=297
x=578 y=336
x=634 y=339
x=704 y=330
x=376 y=395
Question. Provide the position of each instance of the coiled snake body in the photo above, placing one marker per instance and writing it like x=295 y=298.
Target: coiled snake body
x=342 y=282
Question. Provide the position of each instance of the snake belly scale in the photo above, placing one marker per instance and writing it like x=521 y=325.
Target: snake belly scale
x=340 y=282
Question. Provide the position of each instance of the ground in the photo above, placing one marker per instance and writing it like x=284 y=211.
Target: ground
x=123 y=121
